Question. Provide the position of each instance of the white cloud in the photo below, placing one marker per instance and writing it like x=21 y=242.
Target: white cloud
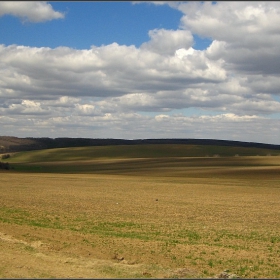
x=166 y=42
x=26 y=107
x=246 y=35
x=32 y=11
x=231 y=21
x=162 y=117
x=104 y=71
x=216 y=50
x=86 y=109
x=181 y=53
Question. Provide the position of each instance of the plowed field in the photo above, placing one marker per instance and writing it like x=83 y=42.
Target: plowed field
x=171 y=220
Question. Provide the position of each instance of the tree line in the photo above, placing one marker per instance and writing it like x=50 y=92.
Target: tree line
x=65 y=142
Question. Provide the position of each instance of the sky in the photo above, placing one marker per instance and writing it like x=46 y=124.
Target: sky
x=138 y=70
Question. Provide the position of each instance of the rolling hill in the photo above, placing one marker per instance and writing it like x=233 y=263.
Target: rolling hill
x=9 y=144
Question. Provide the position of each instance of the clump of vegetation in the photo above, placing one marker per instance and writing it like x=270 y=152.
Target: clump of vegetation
x=4 y=165
x=6 y=156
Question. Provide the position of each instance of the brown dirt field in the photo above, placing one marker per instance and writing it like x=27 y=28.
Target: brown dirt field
x=120 y=226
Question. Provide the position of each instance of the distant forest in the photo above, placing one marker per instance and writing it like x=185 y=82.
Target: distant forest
x=15 y=144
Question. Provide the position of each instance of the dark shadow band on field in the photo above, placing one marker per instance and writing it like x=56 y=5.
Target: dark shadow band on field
x=196 y=167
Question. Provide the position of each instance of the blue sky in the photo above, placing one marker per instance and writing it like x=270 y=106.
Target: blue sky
x=94 y=23
x=140 y=70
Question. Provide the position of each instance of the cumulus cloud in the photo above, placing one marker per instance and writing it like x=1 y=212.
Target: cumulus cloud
x=30 y=11
x=166 y=42
x=246 y=35
x=232 y=21
x=111 y=70
x=26 y=107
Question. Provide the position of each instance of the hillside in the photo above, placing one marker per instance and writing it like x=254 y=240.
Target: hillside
x=9 y=144
x=148 y=151
x=138 y=159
